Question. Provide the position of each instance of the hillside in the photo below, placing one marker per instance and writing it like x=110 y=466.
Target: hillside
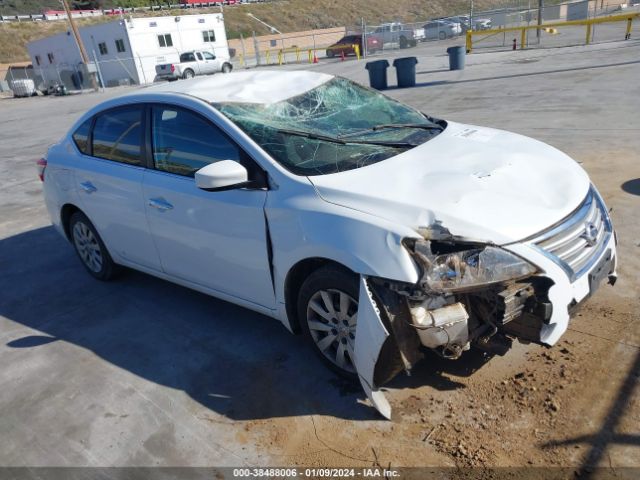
x=286 y=15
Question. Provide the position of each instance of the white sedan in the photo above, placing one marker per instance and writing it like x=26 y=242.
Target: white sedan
x=371 y=228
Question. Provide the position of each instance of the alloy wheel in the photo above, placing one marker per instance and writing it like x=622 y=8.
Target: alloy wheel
x=88 y=247
x=332 y=318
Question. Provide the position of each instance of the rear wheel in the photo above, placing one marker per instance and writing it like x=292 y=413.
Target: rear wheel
x=226 y=68
x=90 y=248
x=442 y=35
x=188 y=73
x=403 y=42
x=328 y=314
x=331 y=53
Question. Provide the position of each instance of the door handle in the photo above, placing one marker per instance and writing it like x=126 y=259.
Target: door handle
x=160 y=204
x=88 y=187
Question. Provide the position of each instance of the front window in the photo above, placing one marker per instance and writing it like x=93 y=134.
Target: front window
x=103 y=48
x=184 y=142
x=335 y=127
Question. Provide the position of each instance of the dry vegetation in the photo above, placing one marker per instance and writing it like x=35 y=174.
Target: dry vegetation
x=286 y=15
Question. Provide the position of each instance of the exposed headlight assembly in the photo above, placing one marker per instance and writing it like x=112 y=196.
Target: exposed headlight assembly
x=466 y=269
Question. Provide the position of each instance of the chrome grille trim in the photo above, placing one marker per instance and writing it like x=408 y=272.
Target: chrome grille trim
x=566 y=243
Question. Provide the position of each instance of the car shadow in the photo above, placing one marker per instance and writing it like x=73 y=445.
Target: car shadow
x=238 y=363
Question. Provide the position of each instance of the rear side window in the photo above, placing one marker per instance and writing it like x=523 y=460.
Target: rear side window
x=117 y=135
x=184 y=142
x=81 y=137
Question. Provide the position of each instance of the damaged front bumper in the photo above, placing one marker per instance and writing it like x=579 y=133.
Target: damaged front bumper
x=395 y=321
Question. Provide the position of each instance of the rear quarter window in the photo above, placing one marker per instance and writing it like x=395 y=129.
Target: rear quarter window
x=81 y=137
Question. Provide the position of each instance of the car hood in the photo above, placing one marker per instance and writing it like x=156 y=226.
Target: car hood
x=479 y=183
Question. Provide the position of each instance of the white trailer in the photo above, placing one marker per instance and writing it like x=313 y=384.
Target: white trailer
x=127 y=50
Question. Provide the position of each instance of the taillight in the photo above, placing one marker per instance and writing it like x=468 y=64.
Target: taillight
x=173 y=68
x=42 y=164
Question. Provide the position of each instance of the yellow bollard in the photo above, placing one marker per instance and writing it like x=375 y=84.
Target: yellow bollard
x=268 y=57
x=310 y=57
x=627 y=34
x=280 y=57
x=297 y=55
x=241 y=58
x=357 y=50
x=588 y=39
x=469 y=41
x=523 y=39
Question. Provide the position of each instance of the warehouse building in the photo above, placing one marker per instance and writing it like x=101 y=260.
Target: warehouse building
x=126 y=50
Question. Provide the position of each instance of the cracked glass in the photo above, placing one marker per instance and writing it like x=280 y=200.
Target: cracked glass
x=345 y=115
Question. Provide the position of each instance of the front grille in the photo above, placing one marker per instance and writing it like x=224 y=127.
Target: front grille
x=578 y=240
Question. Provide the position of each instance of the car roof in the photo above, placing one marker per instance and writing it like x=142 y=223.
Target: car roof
x=263 y=87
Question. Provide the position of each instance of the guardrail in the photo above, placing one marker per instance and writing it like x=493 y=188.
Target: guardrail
x=279 y=56
x=552 y=28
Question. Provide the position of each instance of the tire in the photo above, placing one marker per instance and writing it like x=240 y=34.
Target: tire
x=227 y=67
x=188 y=73
x=403 y=42
x=90 y=249
x=327 y=307
x=442 y=35
x=331 y=53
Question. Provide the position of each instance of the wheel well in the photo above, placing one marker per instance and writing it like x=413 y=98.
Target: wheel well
x=295 y=278
x=65 y=215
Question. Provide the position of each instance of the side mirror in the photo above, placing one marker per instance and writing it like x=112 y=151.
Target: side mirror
x=222 y=175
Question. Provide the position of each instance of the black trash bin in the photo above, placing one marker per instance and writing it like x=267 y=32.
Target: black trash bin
x=456 y=58
x=378 y=74
x=406 y=71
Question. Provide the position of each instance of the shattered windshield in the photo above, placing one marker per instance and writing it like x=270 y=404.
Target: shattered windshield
x=332 y=128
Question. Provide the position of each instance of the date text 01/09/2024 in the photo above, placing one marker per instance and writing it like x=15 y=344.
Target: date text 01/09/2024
x=315 y=472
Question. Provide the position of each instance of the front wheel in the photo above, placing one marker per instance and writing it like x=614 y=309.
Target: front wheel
x=90 y=248
x=226 y=68
x=328 y=314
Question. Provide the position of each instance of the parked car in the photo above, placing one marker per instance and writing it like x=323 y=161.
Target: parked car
x=346 y=44
x=192 y=64
x=375 y=230
x=397 y=33
x=440 y=29
x=481 y=23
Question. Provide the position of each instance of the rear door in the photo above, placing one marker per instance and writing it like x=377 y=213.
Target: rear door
x=109 y=184
x=214 y=239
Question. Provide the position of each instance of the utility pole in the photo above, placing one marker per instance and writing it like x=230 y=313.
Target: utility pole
x=540 y=9
x=76 y=35
x=470 y=14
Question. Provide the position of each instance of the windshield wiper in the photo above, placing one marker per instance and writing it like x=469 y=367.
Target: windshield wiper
x=338 y=140
x=385 y=126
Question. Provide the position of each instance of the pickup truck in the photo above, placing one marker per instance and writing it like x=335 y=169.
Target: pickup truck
x=403 y=35
x=191 y=64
